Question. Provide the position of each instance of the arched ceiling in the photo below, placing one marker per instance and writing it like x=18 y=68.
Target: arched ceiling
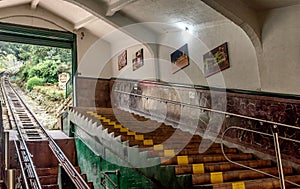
x=102 y=16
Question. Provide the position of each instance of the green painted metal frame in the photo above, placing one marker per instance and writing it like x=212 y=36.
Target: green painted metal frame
x=44 y=37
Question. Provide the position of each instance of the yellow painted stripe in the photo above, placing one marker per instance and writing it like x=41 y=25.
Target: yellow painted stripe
x=148 y=142
x=158 y=147
x=139 y=137
x=169 y=153
x=216 y=177
x=89 y=112
x=238 y=185
x=124 y=130
x=112 y=122
x=182 y=160
x=106 y=120
x=131 y=133
x=118 y=126
x=198 y=168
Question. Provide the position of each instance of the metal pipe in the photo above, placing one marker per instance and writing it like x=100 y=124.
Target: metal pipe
x=6 y=150
x=11 y=179
x=278 y=157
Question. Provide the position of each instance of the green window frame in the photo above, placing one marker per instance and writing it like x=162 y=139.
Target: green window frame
x=41 y=36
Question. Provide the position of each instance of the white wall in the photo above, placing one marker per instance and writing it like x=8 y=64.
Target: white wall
x=281 y=49
x=121 y=42
x=243 y=72
x=95 y=60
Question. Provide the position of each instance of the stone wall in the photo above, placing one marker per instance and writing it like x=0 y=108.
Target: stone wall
x=176 y=105
x=92 y=92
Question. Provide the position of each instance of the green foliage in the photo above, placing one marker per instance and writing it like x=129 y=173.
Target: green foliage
x=34 y=81
x=39 y=61
x=53 y=93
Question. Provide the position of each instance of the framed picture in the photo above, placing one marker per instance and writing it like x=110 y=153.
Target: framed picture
x=138 y=60
x=122 y=60
x=216 y=60
x=180 y=58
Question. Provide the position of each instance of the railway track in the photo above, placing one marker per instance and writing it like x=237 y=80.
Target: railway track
x=29 y=129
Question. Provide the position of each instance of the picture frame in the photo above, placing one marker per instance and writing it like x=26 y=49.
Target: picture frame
x=180 y=58
x=138 y=60
x=216 y=60
x=122 y=60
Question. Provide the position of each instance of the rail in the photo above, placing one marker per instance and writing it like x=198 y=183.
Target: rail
x=275 y=135
x=32 y=176
x=21 y=165
x=105 y=176
x=63 y=160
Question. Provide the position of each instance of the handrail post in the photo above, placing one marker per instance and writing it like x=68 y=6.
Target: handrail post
x=278 y=156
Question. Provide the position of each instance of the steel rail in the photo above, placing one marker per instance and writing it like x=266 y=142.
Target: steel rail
x=63 y=160
x=21 y=165
x=30 y=168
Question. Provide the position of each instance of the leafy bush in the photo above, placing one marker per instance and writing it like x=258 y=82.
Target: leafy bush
x=34 y=81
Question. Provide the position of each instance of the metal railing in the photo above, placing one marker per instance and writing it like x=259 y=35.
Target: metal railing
x=110 y=184
x=69 y=87
x=275 y=135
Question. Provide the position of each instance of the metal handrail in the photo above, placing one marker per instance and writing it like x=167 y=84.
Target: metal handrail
x=68 y=167
x=275 y=125
x=66 y=164
x=207 y=109
x=253 y=169
x=105 y=175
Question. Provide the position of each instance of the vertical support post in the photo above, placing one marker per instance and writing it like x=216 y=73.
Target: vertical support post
x=6 y=150
x=278 y=157
x=11 y=178
x=118 y=173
